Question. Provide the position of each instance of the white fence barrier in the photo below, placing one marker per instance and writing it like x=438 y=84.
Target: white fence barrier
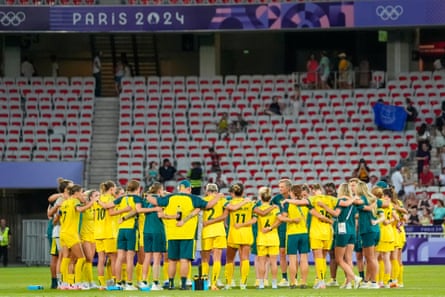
x=35 y=245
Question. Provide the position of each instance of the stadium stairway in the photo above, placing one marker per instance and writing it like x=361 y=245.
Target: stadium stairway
x=103 y=159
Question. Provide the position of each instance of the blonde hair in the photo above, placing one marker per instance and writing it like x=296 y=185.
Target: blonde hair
x=406 y=172
x=362 y=190
x=344 y=190
x=265 y=194
x=377 y=191
x=286 y=182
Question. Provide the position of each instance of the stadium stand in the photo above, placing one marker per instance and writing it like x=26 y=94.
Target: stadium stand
x=46 y=119
x=333 y=131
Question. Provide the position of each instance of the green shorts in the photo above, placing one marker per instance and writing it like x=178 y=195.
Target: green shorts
x=370 y=239
x=298 y=244
x=282 y=236
x=155 y=243
x=126 y=239
x=181 y=249
x=342 y=240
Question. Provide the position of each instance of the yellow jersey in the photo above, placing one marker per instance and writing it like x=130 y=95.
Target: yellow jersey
x=387 y=231
x=105 y=226
x=122 y=203
x=270 y=238
x=216 y=229
x=69 y=217
x=319 y=229
x=87 y=224
x=242 y=235
x=183 y=204
x=296 y=212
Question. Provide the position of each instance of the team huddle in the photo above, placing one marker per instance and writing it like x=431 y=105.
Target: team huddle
x=280 y=231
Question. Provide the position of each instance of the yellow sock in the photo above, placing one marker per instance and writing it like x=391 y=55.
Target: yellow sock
x=101 y=279
x=381 y=271
x=215 y=272
x=165 y=270
x=205 y=268
x=245 y=268
x=124 y=272
x=87 y=272
x=138 y=272
x=78 y=270
x=400 y=278
x=394 y=269
x=229 y=273
x=71 y=279
x=64 y=269
x=320 y=263
x=386 y=277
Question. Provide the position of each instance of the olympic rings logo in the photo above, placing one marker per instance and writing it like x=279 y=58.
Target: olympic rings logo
x=389 y=12
x=12 y=18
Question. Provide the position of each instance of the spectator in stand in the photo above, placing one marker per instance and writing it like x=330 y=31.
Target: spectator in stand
x=397 y=181
x=440 y=121
x=295 y=101
x=411 y=201
x=344 y=69
x=54 y=66
x=275 y=107
x=426 y=219
x=373 y=179
x=423 y=135
x=438 y=67
x=423 y=156
x=238 y=125
x=167 y=172
x=97 y=73
x=439 y=140
x=27 y=68
x=152 y=173
x=215 y=158
x=413 y=217
x=362 y=171
x=312 y=72
x=411 y=115
x=426 y=177
x=442 y=177
x=119 y=72
x=439 y=213
x=442 y=157
x=324 y=69
x=195 y=177
x=222 y=126
x=409 y=181
x=424 y=201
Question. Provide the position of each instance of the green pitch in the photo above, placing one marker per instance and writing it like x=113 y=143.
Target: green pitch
x=419 y=281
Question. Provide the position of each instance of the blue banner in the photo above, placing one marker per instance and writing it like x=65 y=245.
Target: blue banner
x=389 y=117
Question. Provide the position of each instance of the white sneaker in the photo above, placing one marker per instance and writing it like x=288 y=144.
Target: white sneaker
x=233 y=284
x=320 y=285
x=93 y=285
x=283 y=283
x=188 y=283
x=357 y=282
x=84 y=286
x=142 y=285
x=109 y=283
x=227 y=287
x=155 y=287
x=332 y=283
x=348 y=286
x=219 y=283
x=130 y=288
x=373 y=286
x=364 y=285
x=243 y=287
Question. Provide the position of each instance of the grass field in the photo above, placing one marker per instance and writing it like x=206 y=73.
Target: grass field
x=419 y=281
